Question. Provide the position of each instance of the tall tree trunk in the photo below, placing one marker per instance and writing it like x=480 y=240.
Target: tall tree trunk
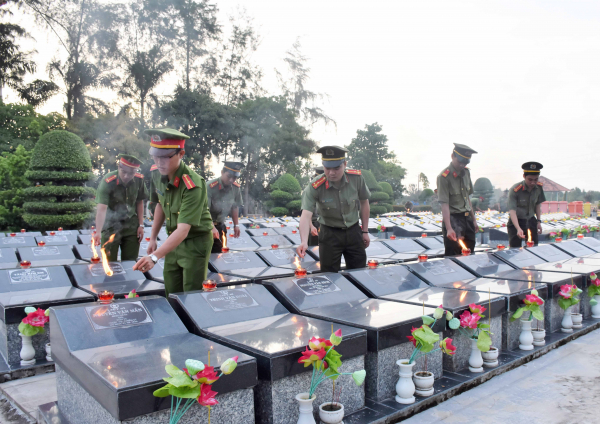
x=142 y=101
x=187 y=64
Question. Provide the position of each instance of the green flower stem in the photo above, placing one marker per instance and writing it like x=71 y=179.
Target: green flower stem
x=427 y=353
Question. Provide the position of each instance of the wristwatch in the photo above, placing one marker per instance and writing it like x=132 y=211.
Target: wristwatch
x=235 y=226
x=142 y=225
x=154 y=258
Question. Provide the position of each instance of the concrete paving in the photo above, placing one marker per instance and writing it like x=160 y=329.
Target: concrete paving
x=21 y=398
x=561 y=387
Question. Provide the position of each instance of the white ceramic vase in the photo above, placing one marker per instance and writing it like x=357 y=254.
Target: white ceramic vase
x=331 y=417
x=539 y=337
x=490 y=358
x=48 y=353
x=475 y=360
x=526 y=338
x=306 y=408
x=27 y=351
x=423 y=383
x=596 y=307
x=577 y=320
x=405 y=388
x=567 y=322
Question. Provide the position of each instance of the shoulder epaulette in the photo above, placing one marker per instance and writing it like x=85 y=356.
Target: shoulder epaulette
x=354 y=171
x=319 y=182
x=153 y=167
x=187 y=180
x=235 y=183
x=137 y=174
x=445 y=173
x=213 y=184
x=540 y=183
x=517 y=188
x=111 y=178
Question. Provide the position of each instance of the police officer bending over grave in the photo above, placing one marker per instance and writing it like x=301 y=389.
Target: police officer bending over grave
x=224 y=196
x=524 y=203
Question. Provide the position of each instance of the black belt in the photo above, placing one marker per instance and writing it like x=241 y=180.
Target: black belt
x=461 y=214
x=337 y=228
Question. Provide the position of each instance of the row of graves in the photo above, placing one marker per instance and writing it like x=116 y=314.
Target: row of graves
x=119 y=347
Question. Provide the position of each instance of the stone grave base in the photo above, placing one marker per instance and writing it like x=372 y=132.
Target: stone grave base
x=276 y=400
x=460 y=360
x=11 y=342
x=512 y=330
x=553 y=313
x=77 y=406
x=383 y=373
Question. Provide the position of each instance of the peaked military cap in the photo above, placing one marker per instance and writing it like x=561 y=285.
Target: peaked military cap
x=319 y=169
x=463 y=153
x=532 y=168
x=233 y=168
x=162 y=139
x=332 y=156
x=129 y=160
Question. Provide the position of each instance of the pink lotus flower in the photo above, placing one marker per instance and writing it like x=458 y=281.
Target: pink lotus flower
x=207 y=375
x=567 y=290
x=447 y=346
x=309 y=357
x=411 y=338
x=336 y=338
x=531 y=299
x=207 y=396
x=477 y=309
x=468 y=320
x=594 y=279
x=37 y=318
x=317 y=343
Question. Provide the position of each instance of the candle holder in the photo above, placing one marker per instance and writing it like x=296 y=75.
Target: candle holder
x=92 y=227
x=501 y=247
x=95 y=259
x=424 y=235
x=228 y=228
x=209 y=285
x=580 y=236
x=466 y=252
x=224 y=249
x=25 y=264
x=52 y=233
x=13 y=234
x=274 y=246
x=294 y=231
x=392 y=237
x=106 y=296
x=265 y=233
x=373 y=263
x=41 y=243
x=60 y=228
x=300 y=272
x=558 y=239
x=530 y=243
x=147 y=238
x=23 y=230
x=423 y=257
x=282 y=225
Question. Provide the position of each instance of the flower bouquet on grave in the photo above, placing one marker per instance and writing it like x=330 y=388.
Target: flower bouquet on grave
x=424 y=338
x=528 y=338
x=594 y=288
x=594 y=229
x=470 y=326
x=193 y=383
x=553 y=235
x=326 y=361
x=569 y=296
x=132 y=295
x=532 y=305
x=381 y=228
x=565 y=233
x=34 y=322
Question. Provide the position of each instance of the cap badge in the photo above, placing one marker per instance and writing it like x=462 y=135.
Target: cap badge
x=532 y=166
x=329 y=152
x=155 y=137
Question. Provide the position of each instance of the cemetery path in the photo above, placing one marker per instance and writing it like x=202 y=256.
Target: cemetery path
x=27 y=394
x=561 y=387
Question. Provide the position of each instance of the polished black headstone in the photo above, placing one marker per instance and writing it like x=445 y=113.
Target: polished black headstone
x=63 y=232
x=286 y=258
x=519 y=257
x=84 y=239
x=84 y=251
x=484 y=265
x=430 y=243
x=8 y=258
x=241 y=243
x=118 y=352
x=25 y=234
x=288 y=230
x=49 y=255
x=574 y=248
x=438 y=272
x=18 y=241
x=58 y=239
x=93 y=279
x=385 y=280
x=549 y=253
x=250 y=319
x=295 y=239
x=590 y=243
x=268 y=241
x=246 y=265
x=379 y=250
x=259 y=232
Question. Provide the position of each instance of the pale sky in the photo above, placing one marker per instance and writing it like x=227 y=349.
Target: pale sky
x=514 y=80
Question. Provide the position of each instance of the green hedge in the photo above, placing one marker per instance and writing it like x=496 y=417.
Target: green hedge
x=387 y=188
x=55 y=208
x=379 y=196
x=398 y=208
x=378 y=210
x=61 y=150
x=424 y=208
x=282 y=196
x=287 y=183
x=54 y=221
x=388 y=206
x=295 y=205
x=370 y=180
x=38 y=175
x=61 y=191
x=279 y=211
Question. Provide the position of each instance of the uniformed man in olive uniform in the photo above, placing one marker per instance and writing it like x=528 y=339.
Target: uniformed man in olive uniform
x=182 y=201
x=120 y=211
x=454 y=187
x=313 y=238
x=524 y=204
x=225 y=197
x=341 y=195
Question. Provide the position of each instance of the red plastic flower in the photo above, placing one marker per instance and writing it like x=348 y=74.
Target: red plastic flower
x=411 y=338
x=309 y=357
x=207 y=396
x=447 y=346
x=37 y=318
x=567 y=290
x=594 y=279
x=468 y=320
x=207 y=375
x=477 y=309
x=531 y=299
x=317 y=343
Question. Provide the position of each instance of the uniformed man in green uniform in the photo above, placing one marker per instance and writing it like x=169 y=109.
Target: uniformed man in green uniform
x=181 y=200
x=120 y=211
x=454 y=187
x=225 y=197
x=524 y=204
x=340 y=195
x=313 y=239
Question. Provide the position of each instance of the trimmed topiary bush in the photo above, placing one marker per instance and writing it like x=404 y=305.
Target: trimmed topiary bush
x=484 y=191
x=279 y=211
x=60 y=166
x=398 y=208
x=387 y=189
x=285 y=195
x=370 y=180
x=287 y=183
x=279 y=195
x=294 y=206
x=379 y=196
x=378 y=210
x=426 y=194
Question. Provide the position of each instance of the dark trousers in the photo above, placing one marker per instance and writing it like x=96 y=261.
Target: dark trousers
x=129 y=244
x=218 y=243
x=463 y=226
x=314 y=240
x=335 y=242
x=514 y=240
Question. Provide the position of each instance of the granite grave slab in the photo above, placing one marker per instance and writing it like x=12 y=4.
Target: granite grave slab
x=287 y=258
x=591 y=243
x=84 y=252
x=58 y=239
x=49 y=255
x=574 y=248
x=8 y=258
x=268 y=241
x=18 y=241
x=245 y=264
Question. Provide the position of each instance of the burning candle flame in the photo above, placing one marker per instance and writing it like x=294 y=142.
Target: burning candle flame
x=462 y=244
x=529 y=235
x=94 y=252
x=225 y=240
x=297 y=262
x=463 y=295
x=105 y=265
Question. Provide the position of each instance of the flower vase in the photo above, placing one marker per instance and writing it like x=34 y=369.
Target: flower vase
x=577 y=320
x=405 y=387
x=490 y=358
x=539 y=337
x=331 y=417
x=596 y=307
x=567 y=322
x=27 y=351
x=424 y=383
x=526 y=338
x=48 y=353
x=306 y=408
x=475 y=360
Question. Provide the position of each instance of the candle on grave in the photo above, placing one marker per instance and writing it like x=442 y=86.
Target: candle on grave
x=294 y=231
x=209 y=285
x=274 y=246
x=558 y=239
x=52 y=233
x=41 y=243
x=106 y=296
x=13 y=234
x=423 y=257
x=579 y=236
x=424 y=235
x=265 y=233
x=501 y=247
x=373 y=263
x=25 y=264
x=392 y=237
x=23 y=230
x=60 y=228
